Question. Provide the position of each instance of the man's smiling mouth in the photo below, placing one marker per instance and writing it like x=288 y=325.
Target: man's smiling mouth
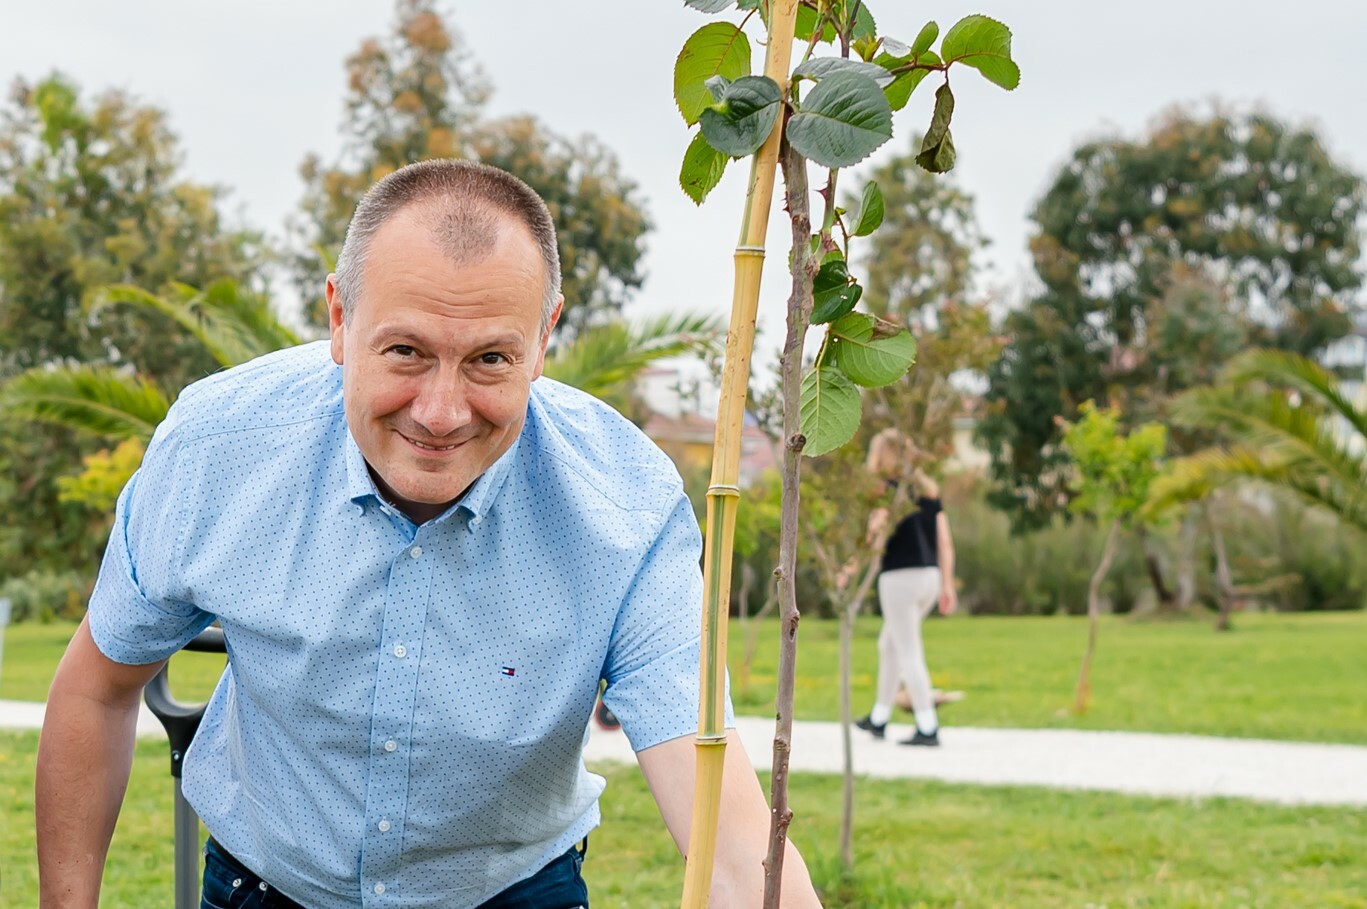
x=428 y=447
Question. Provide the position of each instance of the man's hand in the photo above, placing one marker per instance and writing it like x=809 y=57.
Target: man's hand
x=84 y=756
x=742 y=834
x=949 y=598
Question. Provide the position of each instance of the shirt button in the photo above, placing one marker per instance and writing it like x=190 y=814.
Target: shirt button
x=383 y=825
x=379 y=888
x=263 y=886
x=390 y=745
x=400 y=651
x=415 y=551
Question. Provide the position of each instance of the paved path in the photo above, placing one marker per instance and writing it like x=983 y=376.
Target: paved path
x=1167 y=765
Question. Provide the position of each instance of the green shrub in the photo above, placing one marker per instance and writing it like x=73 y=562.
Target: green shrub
x=46 y=595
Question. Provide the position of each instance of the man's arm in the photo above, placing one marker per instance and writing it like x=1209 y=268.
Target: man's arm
x=84 y=757
x=743 y=832
x=944 y=550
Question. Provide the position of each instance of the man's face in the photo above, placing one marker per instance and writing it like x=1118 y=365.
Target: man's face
x=438 y=359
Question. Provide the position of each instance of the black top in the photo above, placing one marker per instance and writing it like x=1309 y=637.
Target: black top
x=912 y=544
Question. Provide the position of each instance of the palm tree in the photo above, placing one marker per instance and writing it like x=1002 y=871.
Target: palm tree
x=233 y=325
x=605 y=360
x=1289 y=424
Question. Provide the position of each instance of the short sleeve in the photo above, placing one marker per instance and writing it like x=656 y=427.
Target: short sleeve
x=652 y=667
x=139 y=612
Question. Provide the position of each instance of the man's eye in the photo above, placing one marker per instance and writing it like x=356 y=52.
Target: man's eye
x=493 y=359
x=403 y=351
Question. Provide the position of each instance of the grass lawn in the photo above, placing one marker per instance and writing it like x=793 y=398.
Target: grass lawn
x=918 y=844
x=1299 y=677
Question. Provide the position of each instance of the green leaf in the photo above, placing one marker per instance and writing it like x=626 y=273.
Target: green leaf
x=901 y=88
x=744 y=117
x=866 y=48
x=716 y=49
x=702 y=169
x=937 y=148
x=842 y=121
x=985 y=45
x=872 y=352
x=925 y=38
x=830 y=410
x=708 y=6
x=819 y=68
x=870 y=211
x=833 y=294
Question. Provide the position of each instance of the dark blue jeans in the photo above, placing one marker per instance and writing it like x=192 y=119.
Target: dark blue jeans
x=228 y=884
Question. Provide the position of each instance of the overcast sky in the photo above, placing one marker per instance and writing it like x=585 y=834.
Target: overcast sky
x=254 y=85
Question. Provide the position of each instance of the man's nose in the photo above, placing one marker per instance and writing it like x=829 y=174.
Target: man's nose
x=441 y=406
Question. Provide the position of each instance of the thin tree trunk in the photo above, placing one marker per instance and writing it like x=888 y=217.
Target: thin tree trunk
x=1166 y=600
x=799 y=314
x=1224 y=579
x=1186 y=561
x=846 y=738
x=847 y=617
x=1084 y=678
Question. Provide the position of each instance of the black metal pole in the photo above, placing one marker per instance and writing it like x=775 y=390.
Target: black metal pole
x=181 y=721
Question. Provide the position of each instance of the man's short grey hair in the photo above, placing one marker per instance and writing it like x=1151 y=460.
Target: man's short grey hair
x=463 y=203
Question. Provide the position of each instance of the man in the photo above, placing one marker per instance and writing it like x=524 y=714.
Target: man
x=423 y=564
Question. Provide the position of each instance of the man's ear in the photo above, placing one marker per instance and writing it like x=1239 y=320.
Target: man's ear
x=336 y=324
x=546 y=336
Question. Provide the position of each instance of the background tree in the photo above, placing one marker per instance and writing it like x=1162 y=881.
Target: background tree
x=1113 y=474
x=1161 y=258
x=90 y=194
x=919 y=272
x=1283 y=420
x=417 y=94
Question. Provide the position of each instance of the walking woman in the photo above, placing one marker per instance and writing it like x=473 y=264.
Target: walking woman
x=916 y=576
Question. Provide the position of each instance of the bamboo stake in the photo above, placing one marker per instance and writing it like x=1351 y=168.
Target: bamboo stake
x=723 y=493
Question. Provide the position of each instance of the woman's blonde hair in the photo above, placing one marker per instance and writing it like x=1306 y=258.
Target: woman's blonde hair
x=890 y=455
x=894 y=456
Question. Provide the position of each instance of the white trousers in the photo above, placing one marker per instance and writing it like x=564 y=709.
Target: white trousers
x=907 y=596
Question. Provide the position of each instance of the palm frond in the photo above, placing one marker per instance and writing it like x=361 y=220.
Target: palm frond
x=99 y=400
x=1284 y=369
x=605 y=360
x=233 y=324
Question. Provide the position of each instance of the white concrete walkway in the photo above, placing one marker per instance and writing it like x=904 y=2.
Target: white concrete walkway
x=1166 y=765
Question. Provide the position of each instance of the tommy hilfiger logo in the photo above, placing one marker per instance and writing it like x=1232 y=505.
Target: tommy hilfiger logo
x=508 y=670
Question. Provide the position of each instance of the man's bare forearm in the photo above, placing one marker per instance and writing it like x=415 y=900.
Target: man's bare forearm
x=84 y=757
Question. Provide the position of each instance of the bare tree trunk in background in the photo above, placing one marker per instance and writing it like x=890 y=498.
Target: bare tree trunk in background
x=1084 y=678
x=799 y=314
x=1224 y=579
x=1186 y=561
x=1166 y=599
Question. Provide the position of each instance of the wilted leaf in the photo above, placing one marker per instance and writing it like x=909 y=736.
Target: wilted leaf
x=937 y=148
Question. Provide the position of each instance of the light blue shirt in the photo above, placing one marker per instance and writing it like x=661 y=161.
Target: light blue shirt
x=405 y=707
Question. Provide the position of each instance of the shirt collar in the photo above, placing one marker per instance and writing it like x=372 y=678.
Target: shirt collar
x=477 y=501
